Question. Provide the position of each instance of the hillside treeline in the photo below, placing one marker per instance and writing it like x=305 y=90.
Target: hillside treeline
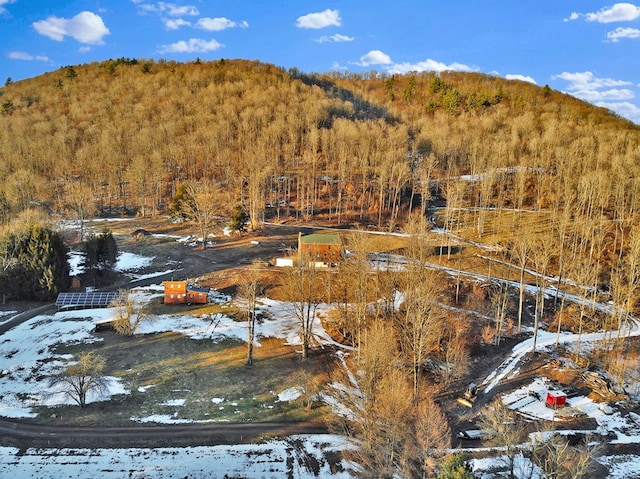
x=122 y=135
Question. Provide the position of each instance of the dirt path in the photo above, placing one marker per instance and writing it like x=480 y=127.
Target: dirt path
x=23 y=435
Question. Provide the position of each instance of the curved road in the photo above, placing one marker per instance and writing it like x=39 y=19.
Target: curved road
x=21 y=434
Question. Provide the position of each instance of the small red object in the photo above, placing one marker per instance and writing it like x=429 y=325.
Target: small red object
x=556 y=399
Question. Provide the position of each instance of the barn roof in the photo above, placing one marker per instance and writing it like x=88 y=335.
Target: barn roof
x=320 y=238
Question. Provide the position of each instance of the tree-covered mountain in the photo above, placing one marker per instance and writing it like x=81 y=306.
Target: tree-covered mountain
x=123 y=134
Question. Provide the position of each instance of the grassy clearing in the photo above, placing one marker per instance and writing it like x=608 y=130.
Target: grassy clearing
x=176 y=377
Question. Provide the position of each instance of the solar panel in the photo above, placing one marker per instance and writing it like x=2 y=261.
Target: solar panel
x=93 y=299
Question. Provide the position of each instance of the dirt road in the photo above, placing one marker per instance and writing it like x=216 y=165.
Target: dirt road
x=23 y=435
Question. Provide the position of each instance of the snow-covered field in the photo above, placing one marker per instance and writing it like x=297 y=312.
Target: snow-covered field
x=272 y=459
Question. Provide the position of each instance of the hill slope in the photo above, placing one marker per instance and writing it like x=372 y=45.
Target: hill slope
x=124 y=134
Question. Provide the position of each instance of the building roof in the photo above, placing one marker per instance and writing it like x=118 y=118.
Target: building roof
x=320 y=238
x=196 y=289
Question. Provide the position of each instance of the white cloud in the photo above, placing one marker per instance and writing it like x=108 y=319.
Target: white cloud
x=602 y=92
x=175 y=24
x=170 y=9
x=218 y=24
x=27 y=57
x=85 y=27
x=337 y=67
x=595 y=96
x=521 y=78
x=624 y=109
x=620 y=32
x=337 y=38
x=4 y=2
x=581 y=81
x=375 y=57
x=194 y=45
x=573 y=16
x=620 y=12
x=320 y=20
x=429 y=65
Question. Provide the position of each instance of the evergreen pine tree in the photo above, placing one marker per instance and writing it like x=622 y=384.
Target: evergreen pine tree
x=238 y=220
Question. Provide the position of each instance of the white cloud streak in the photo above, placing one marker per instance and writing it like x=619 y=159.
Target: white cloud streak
x=624 y=109
x=4 y=2
x=430 y=65
x=323 y=19
x=620 y=33
x=193 y=45
x=602 y=92
x=170 y=9
x=377 y=57
x=218 y=24
x=619 y=12
x=27 y=57
x=582 y=81
x=337 y=38
x=524 y=78
x=85 y=27
x=172 y=24
x=595 y=96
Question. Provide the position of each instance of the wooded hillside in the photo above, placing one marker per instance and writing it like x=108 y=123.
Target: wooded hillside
x=121 y=136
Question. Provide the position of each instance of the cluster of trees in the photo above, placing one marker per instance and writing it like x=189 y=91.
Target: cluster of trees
x=33 y=261
x=397 y=323
x=100 y=256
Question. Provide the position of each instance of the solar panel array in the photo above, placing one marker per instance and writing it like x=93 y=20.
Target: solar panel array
x=85 y=300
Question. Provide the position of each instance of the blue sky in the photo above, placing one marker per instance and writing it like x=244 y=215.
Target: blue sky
x=587 y=48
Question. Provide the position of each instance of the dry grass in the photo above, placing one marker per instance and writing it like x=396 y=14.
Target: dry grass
x=173 y=376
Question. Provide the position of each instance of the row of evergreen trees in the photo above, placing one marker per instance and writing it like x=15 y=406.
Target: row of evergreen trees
x=34 y=263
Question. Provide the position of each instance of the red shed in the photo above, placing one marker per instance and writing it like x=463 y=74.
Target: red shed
x=556 y=399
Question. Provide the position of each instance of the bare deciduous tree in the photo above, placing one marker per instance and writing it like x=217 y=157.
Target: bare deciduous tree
x=249 y=290
x=128 y=314
x=506 y=429
x=203 y=207
x=304 y=290
x=81 y=378
x=558 y=459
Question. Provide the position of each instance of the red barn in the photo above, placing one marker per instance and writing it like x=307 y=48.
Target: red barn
x=320 y=248
x=556 y=399
x=179 y=292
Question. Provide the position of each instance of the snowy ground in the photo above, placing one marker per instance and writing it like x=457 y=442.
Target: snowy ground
x=27 y=358
x=612 y=426
x=273 y=459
